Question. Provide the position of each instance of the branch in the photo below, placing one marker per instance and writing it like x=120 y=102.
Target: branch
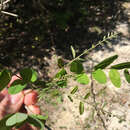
x=95 y=104
x=3 y=3
x=110 y=36
x=8 y=13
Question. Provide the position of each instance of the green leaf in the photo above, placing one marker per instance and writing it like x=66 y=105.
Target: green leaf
x=18 y=125
x=61 y=73
x=60 y=63
x=99 y=76
x=76 y=67
x=73 y=51
x=59 y=99
x=81 y=108
x=33 y=120
x=82 y=79
x=103 y=64
x=28 y=75
x=62 y=83
x=5 y=78
x=81 y=59
x=3 y=122
x=127 y=75
x=16 y=118
x=41 y=117
x=39 y=83
x=70 y=98
x=34 y=76
x=87 y=95
x=74 y=90
x=115 y=78
x=16 y=87
x=121 y=66
x=55 y=92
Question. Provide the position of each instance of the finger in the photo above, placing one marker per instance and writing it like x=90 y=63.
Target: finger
x=16 y=102
x=30 y=97
x=4 y=106
x=33 y=109
x=3 y=93
x=27 y=91
x=28 y=127
x=13 y=79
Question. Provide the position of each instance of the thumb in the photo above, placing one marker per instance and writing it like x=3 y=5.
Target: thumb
x=16 y=102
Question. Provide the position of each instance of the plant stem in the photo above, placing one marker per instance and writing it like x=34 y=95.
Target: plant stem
x=93 y=47
x=95 y=104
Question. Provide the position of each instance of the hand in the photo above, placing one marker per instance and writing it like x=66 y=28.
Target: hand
x=23 y=102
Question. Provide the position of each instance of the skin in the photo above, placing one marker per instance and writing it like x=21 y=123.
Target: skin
x=22 y=102
x=31 y=95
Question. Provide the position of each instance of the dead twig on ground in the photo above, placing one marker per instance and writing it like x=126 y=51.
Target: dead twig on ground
x=3 y=6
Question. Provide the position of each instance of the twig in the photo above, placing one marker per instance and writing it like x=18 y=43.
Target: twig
x=5 y=12
x=94 y=46
x=12 y=14
x=3 y=3
x=95 y=104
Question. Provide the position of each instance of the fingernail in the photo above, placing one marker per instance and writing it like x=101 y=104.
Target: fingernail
x=27 y=91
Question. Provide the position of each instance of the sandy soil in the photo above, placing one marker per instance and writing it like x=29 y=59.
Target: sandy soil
x=65 y=115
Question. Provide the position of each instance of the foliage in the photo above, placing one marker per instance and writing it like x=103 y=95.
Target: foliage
x=51 y=16
x=76 y=71
x=100 y=76
x=4 y=79
x=27 y=76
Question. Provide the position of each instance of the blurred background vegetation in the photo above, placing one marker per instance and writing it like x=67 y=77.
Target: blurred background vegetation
x=45 y=25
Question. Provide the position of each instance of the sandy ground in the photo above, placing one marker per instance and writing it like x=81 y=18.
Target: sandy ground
x=65 y=116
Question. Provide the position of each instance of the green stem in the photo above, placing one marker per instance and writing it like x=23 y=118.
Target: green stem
x=90 y=49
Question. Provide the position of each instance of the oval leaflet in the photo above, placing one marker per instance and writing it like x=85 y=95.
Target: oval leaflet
x=115 y=78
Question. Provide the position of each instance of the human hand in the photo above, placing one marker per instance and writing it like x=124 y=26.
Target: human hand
x=22 y=102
